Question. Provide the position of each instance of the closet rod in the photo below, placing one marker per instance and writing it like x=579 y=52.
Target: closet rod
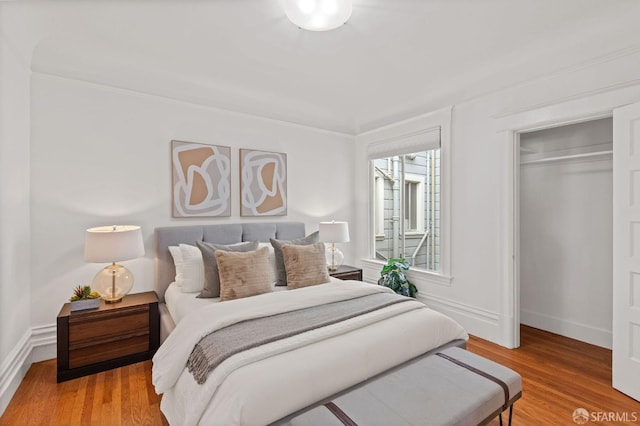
x=567 y=157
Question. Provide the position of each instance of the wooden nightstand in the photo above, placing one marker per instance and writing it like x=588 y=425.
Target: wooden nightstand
x=108 y=337
x=346 y=272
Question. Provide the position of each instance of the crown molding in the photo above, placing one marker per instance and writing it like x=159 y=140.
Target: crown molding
x=599 y=60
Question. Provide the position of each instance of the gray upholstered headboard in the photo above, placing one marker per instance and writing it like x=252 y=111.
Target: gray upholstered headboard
x=219 y=234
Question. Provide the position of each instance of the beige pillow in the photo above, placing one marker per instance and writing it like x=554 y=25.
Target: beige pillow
x=211 y=286
x=305 y=265
x=243 y=274
x=277 y=246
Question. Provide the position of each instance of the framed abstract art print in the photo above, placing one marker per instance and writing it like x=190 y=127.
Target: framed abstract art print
x=263 y=183
x=201 y=180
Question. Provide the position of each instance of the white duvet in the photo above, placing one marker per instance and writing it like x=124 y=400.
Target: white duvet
x=264 y=384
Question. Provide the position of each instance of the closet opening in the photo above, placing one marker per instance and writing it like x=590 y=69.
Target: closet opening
x=565 y=193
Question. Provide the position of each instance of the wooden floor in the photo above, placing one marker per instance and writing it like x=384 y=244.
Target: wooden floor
x=559 y=375
x=123 y=396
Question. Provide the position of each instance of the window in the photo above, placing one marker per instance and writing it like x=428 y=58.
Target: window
x=409 y=194
x=407 y=187
x=379 y=206
x=413 y=203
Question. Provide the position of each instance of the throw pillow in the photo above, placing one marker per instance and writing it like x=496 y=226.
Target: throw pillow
x=192 y=269
x=243 y=274
x=177 y=262
x=277 y=246
x=273 y=270
x=211 y=287
x=305 y=265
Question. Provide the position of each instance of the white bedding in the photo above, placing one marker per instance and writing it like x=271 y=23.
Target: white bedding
x=181 y=304
x=269 y=382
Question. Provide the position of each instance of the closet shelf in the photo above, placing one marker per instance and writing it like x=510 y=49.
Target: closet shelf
x=567 y=157
x=528 y=150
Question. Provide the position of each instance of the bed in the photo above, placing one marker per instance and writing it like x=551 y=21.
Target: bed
x=275 y=381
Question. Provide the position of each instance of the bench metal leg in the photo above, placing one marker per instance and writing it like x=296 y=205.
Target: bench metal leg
x=510 y=415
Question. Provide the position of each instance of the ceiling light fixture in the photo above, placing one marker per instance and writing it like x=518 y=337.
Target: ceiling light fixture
x=318 y=15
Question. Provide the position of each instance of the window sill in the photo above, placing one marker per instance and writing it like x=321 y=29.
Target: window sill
x=419 y=275
x=414 y=234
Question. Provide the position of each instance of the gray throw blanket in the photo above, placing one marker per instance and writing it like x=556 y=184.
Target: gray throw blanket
x=221 y=344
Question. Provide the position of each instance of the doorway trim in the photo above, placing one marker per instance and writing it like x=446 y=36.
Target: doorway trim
x=509 y=128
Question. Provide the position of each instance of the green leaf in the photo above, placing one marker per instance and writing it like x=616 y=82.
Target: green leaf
x=392 y=276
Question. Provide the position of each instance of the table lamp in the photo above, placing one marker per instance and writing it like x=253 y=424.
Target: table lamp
x=334 y=232
x=111 y=244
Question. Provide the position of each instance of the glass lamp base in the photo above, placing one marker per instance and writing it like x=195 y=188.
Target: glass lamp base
x=334 y=258
x=113 y=283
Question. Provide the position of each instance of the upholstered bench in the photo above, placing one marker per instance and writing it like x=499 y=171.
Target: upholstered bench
x=450 y=387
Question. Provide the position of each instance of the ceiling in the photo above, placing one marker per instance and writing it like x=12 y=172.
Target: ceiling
x=394 y=58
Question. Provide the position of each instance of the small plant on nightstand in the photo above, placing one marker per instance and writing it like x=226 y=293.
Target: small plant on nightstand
x=393 y=276
x=83 y=298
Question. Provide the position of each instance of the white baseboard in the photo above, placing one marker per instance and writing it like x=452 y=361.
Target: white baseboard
x=477 y=321
x=13 y=369
x=584 y=333
x=37 y=344
x=43 y=342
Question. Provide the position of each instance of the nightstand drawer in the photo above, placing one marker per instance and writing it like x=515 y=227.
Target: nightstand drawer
x=357 y=276
x=106 y=324
x=92 y=354
x=111 y=336
x=346 y=272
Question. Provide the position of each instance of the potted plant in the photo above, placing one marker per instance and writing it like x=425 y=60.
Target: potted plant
x=393 y=276
x=83 y=298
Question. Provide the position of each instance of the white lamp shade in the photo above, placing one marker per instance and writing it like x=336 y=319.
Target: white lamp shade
x=334 y=232
x=318 y=15
x=107 y=244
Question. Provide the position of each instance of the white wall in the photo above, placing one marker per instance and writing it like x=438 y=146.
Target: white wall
x=15 y=273
x=481 y=231
x=566 y=233
x=14 y=193
x=101 y=156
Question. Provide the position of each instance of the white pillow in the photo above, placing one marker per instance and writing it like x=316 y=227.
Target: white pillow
x=273 y=269
x=179 y=264
x=193 y=269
